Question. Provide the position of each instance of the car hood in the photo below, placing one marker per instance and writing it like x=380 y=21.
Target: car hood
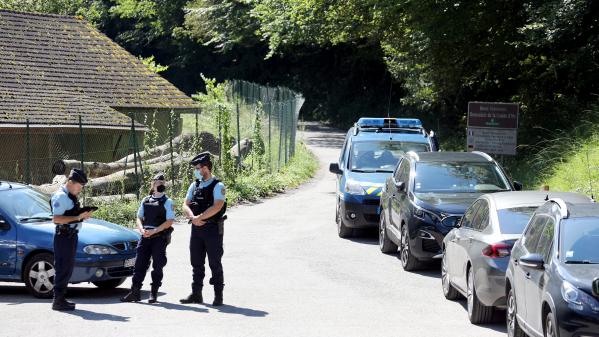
x=93 y=231
x=450 y=203
x=580 y=275
x=369 y=179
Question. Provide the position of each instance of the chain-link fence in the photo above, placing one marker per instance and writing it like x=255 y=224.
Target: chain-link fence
x=245 y=125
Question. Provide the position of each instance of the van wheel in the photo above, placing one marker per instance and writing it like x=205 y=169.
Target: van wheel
x=385 y=244
x=478 y=313
x=343 y=231
x=39 y=275
x=110 y=284
x=408 y=261
x=449 y=291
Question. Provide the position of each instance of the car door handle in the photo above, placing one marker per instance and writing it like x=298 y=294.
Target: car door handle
x=470 y=238
x=527 y=275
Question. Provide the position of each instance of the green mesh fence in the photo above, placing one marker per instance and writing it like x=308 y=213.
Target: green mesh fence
x=252 y=125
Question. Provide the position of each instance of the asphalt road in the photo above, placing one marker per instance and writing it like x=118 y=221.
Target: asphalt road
x=286 y=273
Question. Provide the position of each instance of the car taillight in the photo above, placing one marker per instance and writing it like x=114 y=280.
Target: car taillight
x=497 y=250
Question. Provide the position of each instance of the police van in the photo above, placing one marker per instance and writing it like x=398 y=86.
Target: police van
x=369 y=155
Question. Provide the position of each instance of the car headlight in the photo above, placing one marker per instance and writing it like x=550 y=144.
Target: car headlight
x=425 y=215
x=353 y=187
x=99 y=250
x=578 y=299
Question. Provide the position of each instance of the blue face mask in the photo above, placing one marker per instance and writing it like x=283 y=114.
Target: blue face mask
x=197 y=174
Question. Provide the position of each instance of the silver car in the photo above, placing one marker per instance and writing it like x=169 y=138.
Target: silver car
x=476 y=253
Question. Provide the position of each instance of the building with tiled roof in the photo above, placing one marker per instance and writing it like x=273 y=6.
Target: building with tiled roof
x=57 y=70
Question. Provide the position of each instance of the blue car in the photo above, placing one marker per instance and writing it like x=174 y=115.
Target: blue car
x=105 y=253
x=369 y=155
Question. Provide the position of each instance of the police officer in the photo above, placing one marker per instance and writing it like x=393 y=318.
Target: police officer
x=67 y=215
x=155 y=218
x=205 y=206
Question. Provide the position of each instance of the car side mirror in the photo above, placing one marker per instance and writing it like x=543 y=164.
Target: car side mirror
x=334 y=168
x=533 y=261
x=596 y=287
x=518 y=186
x=4 y=225
x=399 y=185
x=458 y=224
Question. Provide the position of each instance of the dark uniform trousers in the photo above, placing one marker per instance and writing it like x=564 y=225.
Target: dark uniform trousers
x=65 y=248
x=153 y=248
x=206 y=240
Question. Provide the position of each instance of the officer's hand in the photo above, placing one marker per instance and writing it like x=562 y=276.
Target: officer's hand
x=148 y=233
x=197 y=222
x=85 y=215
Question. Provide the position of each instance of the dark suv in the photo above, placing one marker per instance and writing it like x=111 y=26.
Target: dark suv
x=427 y=195
x=552 y=280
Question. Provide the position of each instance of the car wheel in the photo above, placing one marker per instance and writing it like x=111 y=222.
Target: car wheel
x=513 y=328
x=39 y=275
x=478 y=313
x=110 y=284
x=449 y=291
x=342 y=230
x=385 y=244
x=408 y=261
x=550 y=326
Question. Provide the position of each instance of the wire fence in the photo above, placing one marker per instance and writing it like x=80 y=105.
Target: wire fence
x=246 y=127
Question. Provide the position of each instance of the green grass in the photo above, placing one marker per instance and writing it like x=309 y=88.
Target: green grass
x=250 y=185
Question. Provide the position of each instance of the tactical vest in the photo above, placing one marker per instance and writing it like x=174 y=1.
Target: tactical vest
x=203 y=198
x=154 y=211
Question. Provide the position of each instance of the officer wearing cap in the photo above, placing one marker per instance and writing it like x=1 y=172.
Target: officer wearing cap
x=155 y=218
x=67 y=215
x=205 y=206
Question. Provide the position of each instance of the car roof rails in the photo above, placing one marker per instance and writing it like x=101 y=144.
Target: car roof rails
x=413 y=125
x=413 y=154
x=563 y=208
x=484 y=155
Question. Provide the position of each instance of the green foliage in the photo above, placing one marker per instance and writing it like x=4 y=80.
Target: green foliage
x=152 y=65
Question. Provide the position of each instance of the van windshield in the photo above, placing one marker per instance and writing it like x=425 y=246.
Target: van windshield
x=381 y=156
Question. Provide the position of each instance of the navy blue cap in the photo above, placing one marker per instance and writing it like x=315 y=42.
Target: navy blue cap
x=159 y=176
x=201 y=159
x=78 y=176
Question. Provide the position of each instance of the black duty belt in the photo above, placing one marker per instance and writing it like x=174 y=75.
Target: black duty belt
x=66 y=230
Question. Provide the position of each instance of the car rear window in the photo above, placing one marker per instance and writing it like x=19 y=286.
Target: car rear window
x=514 y=220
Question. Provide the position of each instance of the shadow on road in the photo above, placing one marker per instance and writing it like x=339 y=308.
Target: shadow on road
x=231 y=309
x=97 y=316
x=331 y=138
x=175 y=306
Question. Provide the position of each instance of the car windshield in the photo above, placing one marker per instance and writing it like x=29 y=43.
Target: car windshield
x=459 y=177
x=381 y=156
x=26 y=205
x=514 y=220
x=579 y=240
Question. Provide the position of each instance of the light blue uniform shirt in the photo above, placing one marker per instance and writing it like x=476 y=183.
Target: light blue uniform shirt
x=168 y=206
x=219 y=189
x=62 y=203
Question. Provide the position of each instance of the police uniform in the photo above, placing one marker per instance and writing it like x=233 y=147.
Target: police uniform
x=65 y=239
x=154 y=211
x=206 y=239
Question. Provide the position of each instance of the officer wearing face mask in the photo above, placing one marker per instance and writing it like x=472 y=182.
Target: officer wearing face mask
x=155 y=218
x=205 y=206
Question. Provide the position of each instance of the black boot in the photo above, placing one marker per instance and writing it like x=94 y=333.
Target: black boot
x=195 y=297
x=132 y=296
x=218 y=297
x=61 y=304
x=153 y=295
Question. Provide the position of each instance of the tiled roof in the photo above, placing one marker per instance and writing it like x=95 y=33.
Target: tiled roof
x=54 y=108
x=46 y=55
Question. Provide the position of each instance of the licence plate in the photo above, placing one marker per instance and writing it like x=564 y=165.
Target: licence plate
x=129 y=262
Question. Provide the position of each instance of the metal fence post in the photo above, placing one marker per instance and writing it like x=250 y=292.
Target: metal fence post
x=170 y=141
x=28 y=155
x=81 y=144
x=268 y=104
x=238 y=97
x=135 y=156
